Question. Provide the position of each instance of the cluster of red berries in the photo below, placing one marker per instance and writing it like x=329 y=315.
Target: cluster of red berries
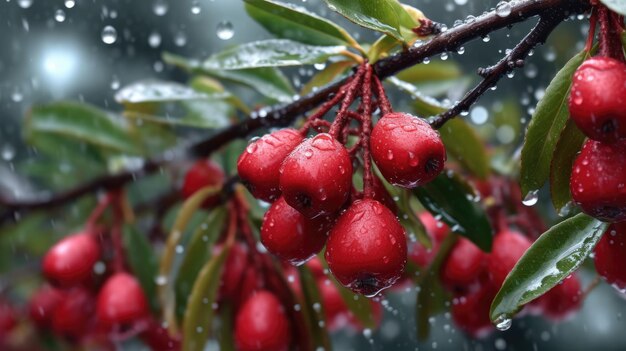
x=308 y=180
x=88 y=308
x=598 y=180
x=474 y=277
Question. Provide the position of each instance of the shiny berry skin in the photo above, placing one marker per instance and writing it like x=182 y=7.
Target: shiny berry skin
x=464 y=264
x=366 y=249
x=508 y=247
x=234 y=268
x=42 y=305
x=609 y=256
x=598 y=180
x=598 y=97
x=262 y=324
x=407 y=151
x=291 y=236
x=203 y=173
x=470 y=312
x=70 y=261
x=316 y=177
x=259 y=165
x=73 y=317
x=121 y=301
x=562 y=301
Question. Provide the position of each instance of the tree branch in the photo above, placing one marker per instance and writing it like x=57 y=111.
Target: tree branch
x=552 y=12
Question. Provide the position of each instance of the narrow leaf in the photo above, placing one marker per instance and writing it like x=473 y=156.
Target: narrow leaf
x=156 y=91
x=315 y=316
x=570 y=142
x=227 y=327
x=142 y=261
x=545 y=127
x=450 y=198
x=618 y=6
x=294 y=22
x=434 y=71
x=553 y=257
x=82 y=122
x=326 y=76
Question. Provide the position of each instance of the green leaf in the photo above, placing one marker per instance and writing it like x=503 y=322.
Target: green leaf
x=82 y=122
x=297 y=23
x=449 y=197
x=142 y=261
x=268 y=81
x=461 y=140
x=618 y=6
x=270 y=53
x=434 y=71
x=200 y=311
x=227 y=327
x=197 y=252
x=326 y=76
x=315 y=317
x=553 y=257
x=545 y=127
x=386 y=16
x=570 y=142
x=411 y=221
x=157 y=91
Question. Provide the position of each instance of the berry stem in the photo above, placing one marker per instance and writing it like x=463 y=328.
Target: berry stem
x=323 y=110
x=366 y=97
x=351 y=94
x=610 y=43
x=592 y=30
x=383 y=101
x=97 y=213
x=116 y=233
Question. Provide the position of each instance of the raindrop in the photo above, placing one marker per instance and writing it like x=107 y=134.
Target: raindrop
x=225 y=30
x=17 y=95
x=503 y=9
x=460 y=2
x=195 y=8
x=503 y=323
x=24 y=3
x=160 y=7
x=161 y=280
x=479 y=115
x=7 y=152
x=180 y=39
x=154 y=40
x=59 y=15
x=70 y=3
x=109 y=35
x=531 y=198
x=115 y=83
x=460 y=50
x=486 y=39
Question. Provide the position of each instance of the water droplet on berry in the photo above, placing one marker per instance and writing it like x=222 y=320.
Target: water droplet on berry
x=390 y=126
x=503 y=322
x=308 y=153
x=389 y=154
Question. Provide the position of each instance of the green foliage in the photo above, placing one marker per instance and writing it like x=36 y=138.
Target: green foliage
x=142 y=260
x=570 y=142
x=315 y=317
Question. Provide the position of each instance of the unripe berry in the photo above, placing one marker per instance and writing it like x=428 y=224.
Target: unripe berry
x=290 y=235
x=563 y=300
x=598 y=97
x=203 y=173
x=470 y=312
x=609 y=256
x=598 y=181
x=464 y=264
x=72 y=318
x=408 y=152
x=367 y=248
x=259 y=165
x=508 y=247
x=42 y=305
x=262 y=324
x=121 y=301
x=70 y=261
x=317 y=176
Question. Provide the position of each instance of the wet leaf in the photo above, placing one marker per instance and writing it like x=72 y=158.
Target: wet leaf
x=545 y=127
x=569 y=143
x=142 y=261
x=84 y=123
x=326 y=76
x=268 y=81
x=197 y=253
x=199 y=315
x=158 y=91
x=293 y=22
x=386 y=16
x=411 y=221
x=315 y=317
x=553 y=257
x=214 y=87
x=227 y=327
x=618 y=6
x=270 y=53
x=448 y=197
x=434 y=71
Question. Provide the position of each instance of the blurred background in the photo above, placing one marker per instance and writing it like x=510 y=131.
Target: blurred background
x=86 y=50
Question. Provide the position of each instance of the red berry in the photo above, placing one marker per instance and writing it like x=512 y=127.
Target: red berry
x=470 y=312
x=251 y=282
x=335 y=309
x=316 y=267
x=42 y=305
x=598 y=97
x=317 y=176
x=609 y=256
x=158 y=338
x=464 y=264
x=121 y=301
x=262 y=324
x=72 y=318
x=8 y=319
x=234 y=268
x=203 y=173
x=259 y=165
x=290 y=235
x=70 y=261
x=437 y=231
x=407 y=150
x=563 y=300
x=508 y=247
x=598 y=181
x=366 y=248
